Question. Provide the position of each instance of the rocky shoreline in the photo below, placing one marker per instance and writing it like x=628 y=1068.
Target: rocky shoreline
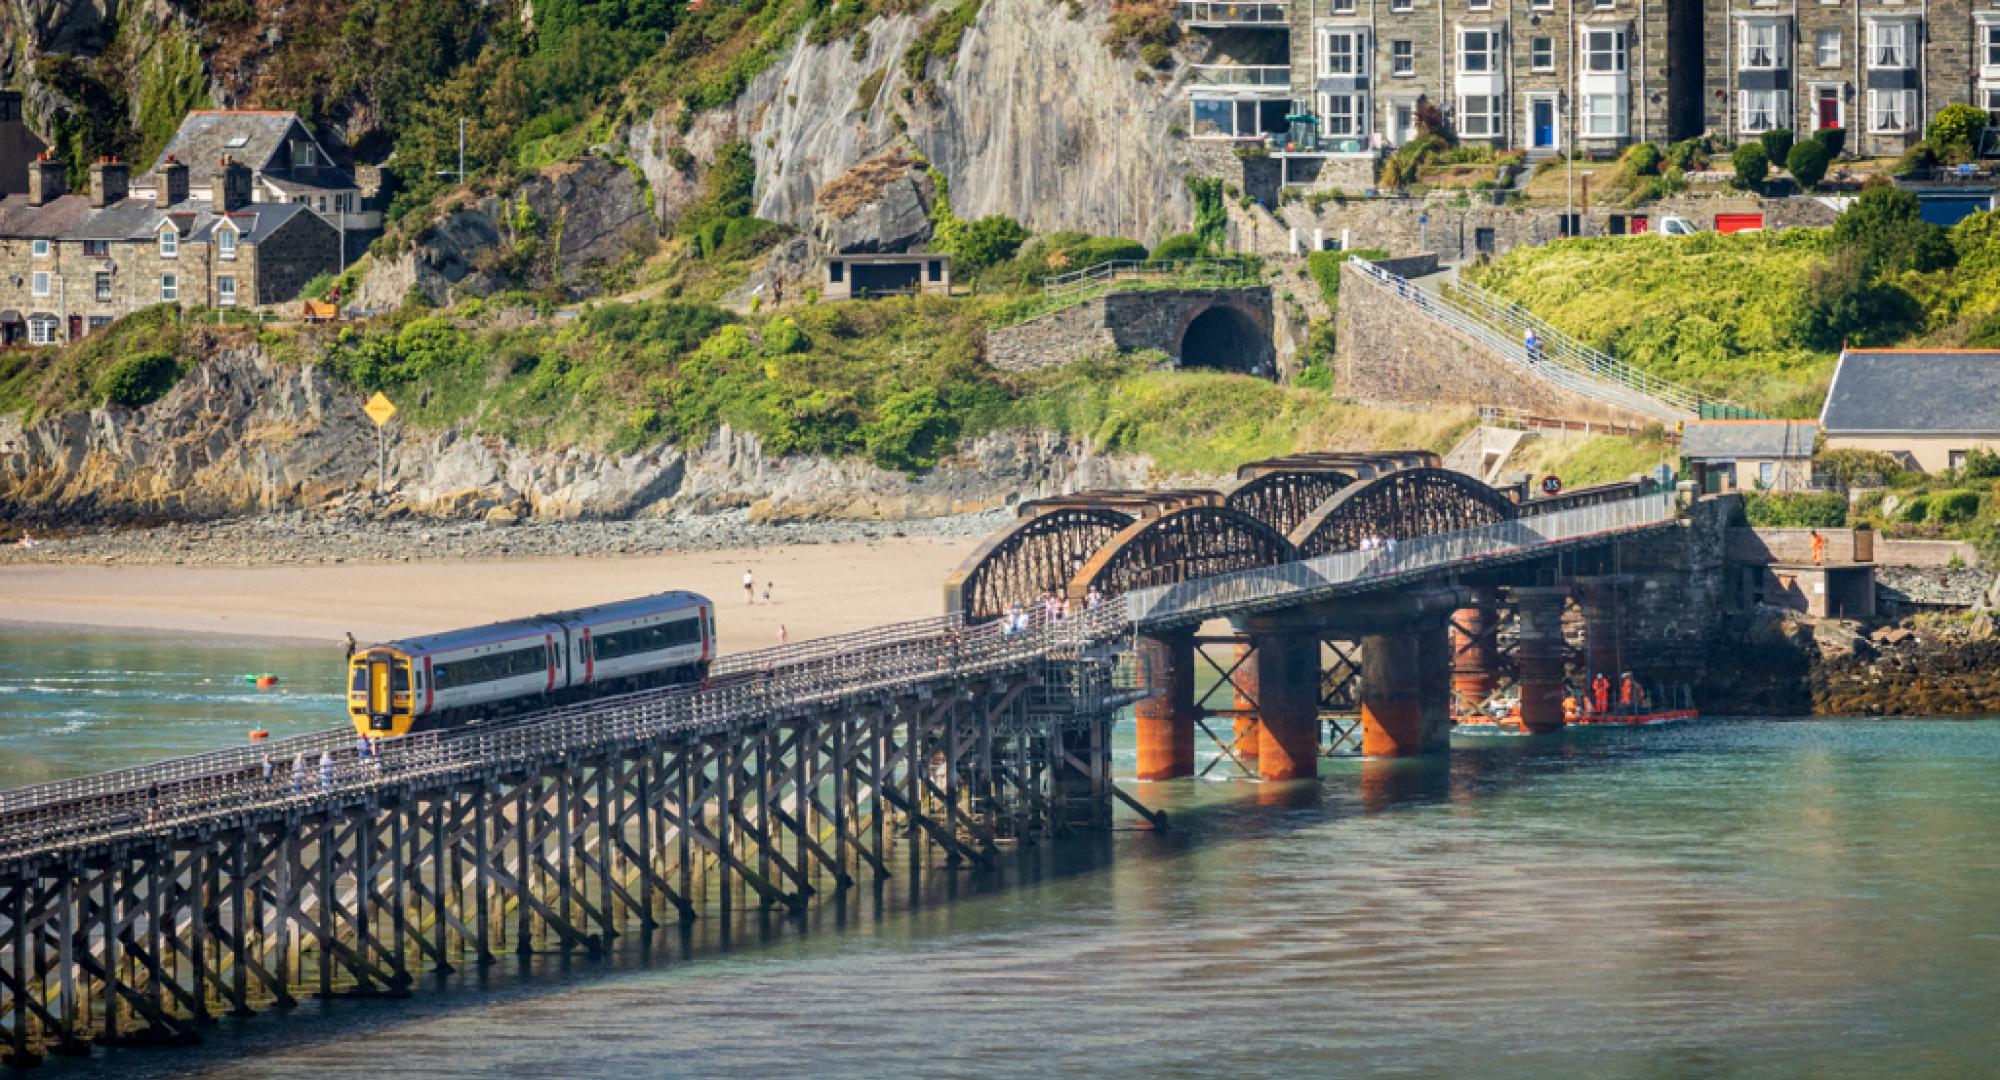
x=345 y=536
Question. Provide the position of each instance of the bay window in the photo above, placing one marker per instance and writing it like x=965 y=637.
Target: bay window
x=1344 y=116
x=1478 y=52
x=1479 y=116
x=1888 y=45
x=1759 y=111
x=1603 y=52
x=1603 y=115
x=1889 y=111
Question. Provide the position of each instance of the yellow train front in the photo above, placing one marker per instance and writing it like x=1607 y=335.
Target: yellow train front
x=463 y=676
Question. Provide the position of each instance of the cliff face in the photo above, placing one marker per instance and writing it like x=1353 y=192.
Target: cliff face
x=1034 y=117
x=243 y=433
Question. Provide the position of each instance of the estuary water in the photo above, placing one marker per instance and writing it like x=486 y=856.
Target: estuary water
x=1723 y=898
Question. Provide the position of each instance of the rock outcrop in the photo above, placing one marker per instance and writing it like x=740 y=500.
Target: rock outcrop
x=564 y=226
x=244 y=433
x=1035 y=117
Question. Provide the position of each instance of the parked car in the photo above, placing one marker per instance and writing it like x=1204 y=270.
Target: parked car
x=1675 y=225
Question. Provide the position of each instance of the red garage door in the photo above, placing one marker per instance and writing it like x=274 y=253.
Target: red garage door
x=1727 y=223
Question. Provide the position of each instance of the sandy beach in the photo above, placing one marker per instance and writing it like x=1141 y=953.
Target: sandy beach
x=818 y=589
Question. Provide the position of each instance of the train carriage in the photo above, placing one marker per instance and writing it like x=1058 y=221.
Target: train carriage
x=463 y=676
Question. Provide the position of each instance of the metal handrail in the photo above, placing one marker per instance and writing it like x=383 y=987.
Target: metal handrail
x=129 y=803
x=1234 y=13
x=1254 y=75
x=1558 y=362
x=1098 y=273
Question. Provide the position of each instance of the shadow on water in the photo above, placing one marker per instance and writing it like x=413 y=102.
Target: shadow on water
x=1204 y=816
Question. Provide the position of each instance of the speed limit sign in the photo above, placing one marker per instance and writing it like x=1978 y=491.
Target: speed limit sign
x=1552 y=484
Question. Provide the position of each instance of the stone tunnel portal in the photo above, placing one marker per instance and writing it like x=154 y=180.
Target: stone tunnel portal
x=1223 y=338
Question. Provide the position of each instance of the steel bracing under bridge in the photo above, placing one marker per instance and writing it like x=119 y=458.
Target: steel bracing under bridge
x=137 y=904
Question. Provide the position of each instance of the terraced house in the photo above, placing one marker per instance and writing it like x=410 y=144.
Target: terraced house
x=1333 y=83
x=72 y=263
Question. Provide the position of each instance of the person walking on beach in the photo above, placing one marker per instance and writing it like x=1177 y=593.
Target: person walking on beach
x=782 y=635
x=749 y=587
x=767 y=590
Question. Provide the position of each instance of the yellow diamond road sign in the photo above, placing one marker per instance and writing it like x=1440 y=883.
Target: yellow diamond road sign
x=379 y=409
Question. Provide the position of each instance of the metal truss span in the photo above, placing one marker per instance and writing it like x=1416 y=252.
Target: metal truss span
x=1182 y=545
x=1028 y=558
x=1401 y=505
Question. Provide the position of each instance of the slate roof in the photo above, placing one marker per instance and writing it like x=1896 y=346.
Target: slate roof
x=204 y=136
x=71 y=218
x=56 y=218
x=1914 y=392
x=1724 y=440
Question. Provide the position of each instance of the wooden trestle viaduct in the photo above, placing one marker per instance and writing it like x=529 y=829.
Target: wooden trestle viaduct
x=135 y=906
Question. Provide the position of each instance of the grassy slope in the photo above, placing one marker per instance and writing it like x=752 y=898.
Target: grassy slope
x=1592 y=459
x=1718 y=313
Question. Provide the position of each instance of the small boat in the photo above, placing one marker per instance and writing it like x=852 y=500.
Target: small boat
x=1505 y=718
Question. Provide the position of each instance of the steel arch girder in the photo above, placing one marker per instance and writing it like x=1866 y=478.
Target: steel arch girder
x=1193 y=542
x=1400 y=505
x=1031 y=555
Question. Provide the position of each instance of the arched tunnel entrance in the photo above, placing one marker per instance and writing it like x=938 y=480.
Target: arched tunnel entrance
x=1223 y=338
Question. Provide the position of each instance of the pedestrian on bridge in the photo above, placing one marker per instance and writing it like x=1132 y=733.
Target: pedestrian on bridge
x=269 y=768
x=299 y=774
x=326 y=770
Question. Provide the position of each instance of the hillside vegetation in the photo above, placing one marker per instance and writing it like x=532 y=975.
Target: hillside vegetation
x=1760 y=317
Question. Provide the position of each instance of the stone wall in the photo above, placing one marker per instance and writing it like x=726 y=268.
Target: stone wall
x=280 y=266
x=1131 y=321
x=1389 y=352
x=1795 y=546
x=1678 y=600
x=1461 y=232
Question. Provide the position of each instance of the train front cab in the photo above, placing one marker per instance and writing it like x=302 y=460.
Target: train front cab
x=378 y=693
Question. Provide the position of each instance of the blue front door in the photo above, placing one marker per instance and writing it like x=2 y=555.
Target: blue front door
x=1545 y=123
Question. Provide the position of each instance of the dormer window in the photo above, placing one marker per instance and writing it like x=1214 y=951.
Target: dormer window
x=225 y=242
x=308 y=158
x=170 y=242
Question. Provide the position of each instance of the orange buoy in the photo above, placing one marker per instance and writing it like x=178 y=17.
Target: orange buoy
x=265 y=682
x=259 y=734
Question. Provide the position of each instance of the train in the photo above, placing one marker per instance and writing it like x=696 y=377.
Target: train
x=467 y=676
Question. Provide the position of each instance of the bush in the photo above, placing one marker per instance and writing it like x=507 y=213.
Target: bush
x=1916 y=161
x=139 y=380
x=910 y=430
x=1953 y=507
x=1314 y=376
x=1955 y=130
x=1834 y=139
x=1795 y=510
x=1915 y=511
x=987 y=242
x=1688 y=154
x=1807 y=163
x=1857 y=468
x=1325 y=268
x=1981 y=464
x=1777 y=145
x=1644 y=159
x=783 y=337
x=1752 y=164
x=1178 y=246
x=316 y=286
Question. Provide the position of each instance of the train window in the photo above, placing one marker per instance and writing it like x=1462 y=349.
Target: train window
x=645 y=639
x=360 y=684
x=440 y=676
x=399 y=679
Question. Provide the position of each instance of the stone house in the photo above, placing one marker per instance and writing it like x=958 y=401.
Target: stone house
x=1927 y=407
x=286 y=165
x=1749 y=455
x=1330 y=84
x=1878 y=68
x=72 y=263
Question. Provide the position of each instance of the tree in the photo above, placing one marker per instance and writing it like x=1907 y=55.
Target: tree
x=1179 y=246
x=1954 y=132
x=1807 y=162
x=1884 y=227
x=1834 y=139
x=1777 y=145
x=1752 y=165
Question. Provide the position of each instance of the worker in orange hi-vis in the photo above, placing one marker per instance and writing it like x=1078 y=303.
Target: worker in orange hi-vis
x=1818 y=547
x=1600 y=693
